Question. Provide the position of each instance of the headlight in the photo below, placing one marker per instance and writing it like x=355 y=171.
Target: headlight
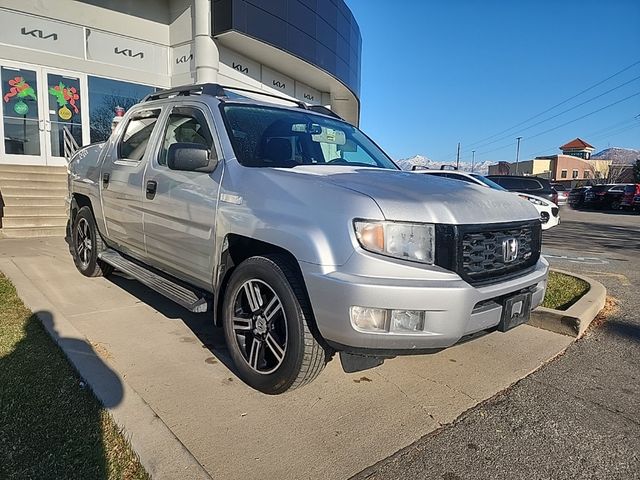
x=535 y=201
x=409 y=241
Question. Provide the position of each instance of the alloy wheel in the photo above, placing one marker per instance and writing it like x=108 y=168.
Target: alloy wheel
x=83 y=242
x=260 y=326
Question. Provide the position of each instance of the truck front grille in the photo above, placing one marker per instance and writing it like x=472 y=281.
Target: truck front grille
x=477 y=252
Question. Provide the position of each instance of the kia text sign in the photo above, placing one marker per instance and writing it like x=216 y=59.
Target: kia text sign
x=126 y=52
x=277 y=81
x=308 y=94
x=240 y=64
x=181 y=60
x=36 y=33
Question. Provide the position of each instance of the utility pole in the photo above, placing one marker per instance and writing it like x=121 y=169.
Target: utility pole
x=518 y=154
x=458 y=157
x=473 y=159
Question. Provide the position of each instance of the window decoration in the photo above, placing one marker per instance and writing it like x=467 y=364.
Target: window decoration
x=65 y=96
x=19 y=88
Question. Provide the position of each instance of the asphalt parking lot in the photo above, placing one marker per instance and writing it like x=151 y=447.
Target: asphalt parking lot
x=577 y=417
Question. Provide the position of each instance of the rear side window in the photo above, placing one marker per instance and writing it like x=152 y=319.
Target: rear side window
x=135 y=140
x=519 y=183
x=629 y=189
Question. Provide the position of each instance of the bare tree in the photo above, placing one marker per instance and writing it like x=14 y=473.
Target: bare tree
x=102 y=115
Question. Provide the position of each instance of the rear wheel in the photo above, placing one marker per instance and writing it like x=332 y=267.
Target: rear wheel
x=266 y=325
x=86 y=244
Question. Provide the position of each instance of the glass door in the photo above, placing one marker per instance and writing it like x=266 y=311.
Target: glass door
x=66 y=124
x=42 y=118
x=22 y=123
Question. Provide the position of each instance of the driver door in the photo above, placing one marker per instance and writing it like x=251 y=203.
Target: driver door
x=180 y=206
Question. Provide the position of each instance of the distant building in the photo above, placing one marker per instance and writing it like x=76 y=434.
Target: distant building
x=577 y=148
x=573 y=166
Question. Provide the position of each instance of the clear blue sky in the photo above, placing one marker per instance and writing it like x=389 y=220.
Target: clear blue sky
x=438 y=72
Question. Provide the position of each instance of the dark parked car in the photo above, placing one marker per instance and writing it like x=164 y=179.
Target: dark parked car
x=531 y=185
x=605 y=196
x=631 y=192
x=576 y=196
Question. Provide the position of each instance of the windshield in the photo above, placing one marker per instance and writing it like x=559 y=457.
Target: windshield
x=275 y=137
x=487 y=182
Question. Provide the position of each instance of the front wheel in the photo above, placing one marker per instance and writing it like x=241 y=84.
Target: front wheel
x=266 y=318
x=86 y=244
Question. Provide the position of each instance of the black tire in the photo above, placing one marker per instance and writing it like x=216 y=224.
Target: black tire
x=303 y=358
x=86 y=242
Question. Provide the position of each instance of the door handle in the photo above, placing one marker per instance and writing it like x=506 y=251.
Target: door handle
x=47 y=124
x=152 y=186
x=106 y=176
x=41 y=125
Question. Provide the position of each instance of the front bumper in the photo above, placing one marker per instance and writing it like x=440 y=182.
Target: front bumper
x=453 y=307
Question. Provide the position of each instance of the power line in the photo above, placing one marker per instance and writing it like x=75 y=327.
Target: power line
x=565 y=111
x=566 y=123
x=473 y=144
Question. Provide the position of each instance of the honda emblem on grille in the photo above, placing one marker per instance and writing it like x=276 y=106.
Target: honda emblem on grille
x=509 y=249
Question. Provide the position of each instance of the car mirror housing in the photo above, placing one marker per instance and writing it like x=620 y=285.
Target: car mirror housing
x=191 y=157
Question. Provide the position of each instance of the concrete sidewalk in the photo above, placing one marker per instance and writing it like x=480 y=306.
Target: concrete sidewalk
x=177 y=363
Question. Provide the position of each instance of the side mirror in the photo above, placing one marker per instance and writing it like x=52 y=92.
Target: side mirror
x=191 y=157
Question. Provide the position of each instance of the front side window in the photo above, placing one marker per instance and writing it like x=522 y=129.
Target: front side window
x=135 y=140
x=275 y=137
x=185 y=125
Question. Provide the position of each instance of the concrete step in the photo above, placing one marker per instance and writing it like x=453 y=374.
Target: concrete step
x=6 y=168
x=26 y=191
x=34 y=184
x=32 y=232
x=21 y=200
x=20 y=177
x=34 y=211
x=31 y=221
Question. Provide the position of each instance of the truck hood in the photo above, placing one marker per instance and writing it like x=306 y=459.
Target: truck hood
x=406 y=196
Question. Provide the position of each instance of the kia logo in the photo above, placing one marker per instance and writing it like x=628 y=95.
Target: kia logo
x=184 y=58
x=38 y=34
x=127 y=52
x=240 y=68
x=509 y=249
x=279 y=84
x=308 y=96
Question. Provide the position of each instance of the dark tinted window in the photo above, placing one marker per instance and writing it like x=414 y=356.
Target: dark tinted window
x=514 y=183
x=630 y=189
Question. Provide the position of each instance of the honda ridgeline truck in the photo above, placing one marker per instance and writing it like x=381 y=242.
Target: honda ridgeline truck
x=298 y=234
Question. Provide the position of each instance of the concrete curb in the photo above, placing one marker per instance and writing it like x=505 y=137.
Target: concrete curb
x=576 y=319
x=161 y=453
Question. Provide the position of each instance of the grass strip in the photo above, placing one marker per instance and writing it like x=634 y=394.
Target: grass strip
x=51 y=424
x=563 y=291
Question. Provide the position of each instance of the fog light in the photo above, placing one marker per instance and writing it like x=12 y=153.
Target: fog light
x=370 y=319
x=407 y=320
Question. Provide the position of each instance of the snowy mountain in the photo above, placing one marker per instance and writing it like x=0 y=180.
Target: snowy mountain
x=619 y=155
x=422 y=161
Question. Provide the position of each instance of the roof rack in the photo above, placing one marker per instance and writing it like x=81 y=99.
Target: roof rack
x=219 y=91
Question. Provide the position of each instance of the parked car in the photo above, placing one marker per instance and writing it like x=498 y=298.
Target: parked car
x=549 y=212
x=530 y=185
x=563 y=193
x=606 y=196
x=298 y=235
x=636 y=203
x=576 y=196
x=631 y=191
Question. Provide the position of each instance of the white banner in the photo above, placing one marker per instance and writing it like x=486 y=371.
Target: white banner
x=41 y=34
x=126 y=52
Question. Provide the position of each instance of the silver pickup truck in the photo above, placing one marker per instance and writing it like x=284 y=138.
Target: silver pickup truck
x=298 y=234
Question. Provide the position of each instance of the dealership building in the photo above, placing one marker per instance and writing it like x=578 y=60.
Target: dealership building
x=67 y=66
